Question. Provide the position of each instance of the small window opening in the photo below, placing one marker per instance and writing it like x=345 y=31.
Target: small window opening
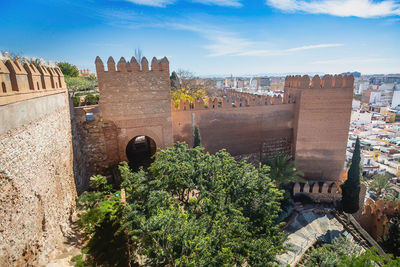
x=89 y=116
x=3 y=86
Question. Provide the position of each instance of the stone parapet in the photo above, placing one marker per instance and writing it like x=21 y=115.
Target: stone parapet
x=376 y=216
x=321 y=124
x=230 y=99
x=25 y=81
x=318 y=191
x=327 y=81
x=133 y=66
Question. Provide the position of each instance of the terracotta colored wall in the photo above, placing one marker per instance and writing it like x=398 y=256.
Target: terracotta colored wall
x=314 y=116
x=240 y=130
x=321 y=127
x=137 y=101
x=375 y=216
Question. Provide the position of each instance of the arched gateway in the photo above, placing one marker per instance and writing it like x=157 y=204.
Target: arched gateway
x=135 y=100
x=140 y=151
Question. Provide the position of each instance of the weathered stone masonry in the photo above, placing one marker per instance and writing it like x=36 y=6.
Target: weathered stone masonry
x=311 y=121
x=37 y=189
x=42 y=165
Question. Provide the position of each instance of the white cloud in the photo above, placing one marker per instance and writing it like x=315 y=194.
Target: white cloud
x=278 y=52
x=307 y=47
x=231 y=3
x=155 y=3
x=341 y=8
x=164 y=3
x=223 y=43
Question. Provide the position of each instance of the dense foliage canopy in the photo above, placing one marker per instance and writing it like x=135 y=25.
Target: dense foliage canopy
x=344 y=252
x=190 y=208
x=391 y=240
x=68 y=69
x=331 y=254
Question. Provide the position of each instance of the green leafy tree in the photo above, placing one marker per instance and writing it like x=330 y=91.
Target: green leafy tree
x=75 y=84
x=283 y=170
x=196 y=137
x=91 y=99
x=190 y=208
x=344 y=252
x=68 y=69
x=101 y=222
x=380 y=185
x=391 y=240
x=193 y=209
x=370 y=258
x=351 y=187
x=76 y=100
x=92 y=78
x=332 y=254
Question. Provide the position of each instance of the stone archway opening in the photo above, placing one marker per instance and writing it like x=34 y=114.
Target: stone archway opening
x=140 y=151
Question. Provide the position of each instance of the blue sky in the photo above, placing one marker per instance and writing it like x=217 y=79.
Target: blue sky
x=211 y=36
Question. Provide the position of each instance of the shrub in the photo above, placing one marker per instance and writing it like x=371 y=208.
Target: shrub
x=76 y=100
x=91 y=99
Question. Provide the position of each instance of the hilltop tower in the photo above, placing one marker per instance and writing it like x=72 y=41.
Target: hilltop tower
x=138 y=101
x=321 y=123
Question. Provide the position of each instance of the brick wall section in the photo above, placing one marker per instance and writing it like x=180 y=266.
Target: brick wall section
x=375 y=216
x=37 y=190
x=241 y=130
x=137 y=101
x=322 y=125
x=313 y=116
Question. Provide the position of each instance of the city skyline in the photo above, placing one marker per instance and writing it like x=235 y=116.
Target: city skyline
x=212 y=37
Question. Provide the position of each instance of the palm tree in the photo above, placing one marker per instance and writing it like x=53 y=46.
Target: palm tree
x=380 y=185
x=283 y=170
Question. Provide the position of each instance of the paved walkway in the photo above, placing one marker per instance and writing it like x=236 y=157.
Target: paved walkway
x=305 y=230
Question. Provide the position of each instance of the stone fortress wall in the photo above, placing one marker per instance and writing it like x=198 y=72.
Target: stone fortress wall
x=322 y=119
x=376 y=215
x=311 y=121
x=41 y=153
x=37 y=189
x=239 y=122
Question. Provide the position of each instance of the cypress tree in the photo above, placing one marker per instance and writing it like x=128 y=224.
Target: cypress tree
x=175 y=84
x=351 y=187
x=196 y=137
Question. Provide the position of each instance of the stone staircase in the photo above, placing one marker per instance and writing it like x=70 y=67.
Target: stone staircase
x=311 y=224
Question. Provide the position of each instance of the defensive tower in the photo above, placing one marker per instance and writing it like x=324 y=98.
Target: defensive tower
x=321 y=124
x=310 y=121
x=137 y=100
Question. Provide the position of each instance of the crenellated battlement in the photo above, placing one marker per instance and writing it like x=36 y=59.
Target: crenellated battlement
x=310 y=124
x=376 y=215
x=231 y=99
x=319 y=191
x=380 y=209
x=327 y=82
x=132 y=66
x=23 y=81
